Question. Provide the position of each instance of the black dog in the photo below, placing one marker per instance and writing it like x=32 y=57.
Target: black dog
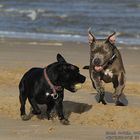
x=46 y=86
x=106 y=65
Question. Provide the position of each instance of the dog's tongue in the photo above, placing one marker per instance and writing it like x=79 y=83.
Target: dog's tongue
x=98 y=68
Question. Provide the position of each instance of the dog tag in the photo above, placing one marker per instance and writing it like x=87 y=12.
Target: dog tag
x=47 y=94
x=54 y=96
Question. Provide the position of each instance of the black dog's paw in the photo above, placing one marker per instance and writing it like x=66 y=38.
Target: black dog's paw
x=118 y=103
x=49 y=116
x=36 y=112
x=65 y=122
x=25 y=117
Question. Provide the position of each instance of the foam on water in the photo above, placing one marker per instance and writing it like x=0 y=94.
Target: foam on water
x=62 y=37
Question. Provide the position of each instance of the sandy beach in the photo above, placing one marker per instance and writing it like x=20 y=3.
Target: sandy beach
x=88 y=119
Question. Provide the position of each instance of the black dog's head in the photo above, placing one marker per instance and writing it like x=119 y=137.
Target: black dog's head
x=68 y=75
x=101 y=50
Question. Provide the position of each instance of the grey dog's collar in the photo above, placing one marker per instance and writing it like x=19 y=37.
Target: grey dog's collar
x=109 y=62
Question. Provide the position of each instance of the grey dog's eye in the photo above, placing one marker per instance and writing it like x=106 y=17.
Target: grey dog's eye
x=92 y=56
x=106 y=48
x=93 y=51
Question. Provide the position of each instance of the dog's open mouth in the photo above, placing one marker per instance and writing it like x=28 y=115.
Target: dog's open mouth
x=98 y=68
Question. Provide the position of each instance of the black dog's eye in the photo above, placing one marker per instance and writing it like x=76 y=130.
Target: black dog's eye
x=64 y=67
x=67 y=75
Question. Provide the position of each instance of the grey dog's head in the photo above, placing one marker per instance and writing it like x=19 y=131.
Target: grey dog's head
x=101 y=50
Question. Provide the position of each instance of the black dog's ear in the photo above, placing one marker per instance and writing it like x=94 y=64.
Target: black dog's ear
x=91 y=37
x=60 y=58
x=112 y=38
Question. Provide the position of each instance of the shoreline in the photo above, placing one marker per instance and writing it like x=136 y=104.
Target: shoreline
x=13 y=39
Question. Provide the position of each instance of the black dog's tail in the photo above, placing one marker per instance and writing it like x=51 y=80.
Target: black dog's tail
x=86 y=67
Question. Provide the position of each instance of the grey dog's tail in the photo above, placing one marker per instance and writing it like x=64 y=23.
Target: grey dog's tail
x=86 y=67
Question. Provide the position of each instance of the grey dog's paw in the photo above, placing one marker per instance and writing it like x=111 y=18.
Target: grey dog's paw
x=103 y=102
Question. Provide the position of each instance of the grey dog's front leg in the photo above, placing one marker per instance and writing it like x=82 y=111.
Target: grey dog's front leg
x=100 y=90
x=97 y=84
x=120 y=80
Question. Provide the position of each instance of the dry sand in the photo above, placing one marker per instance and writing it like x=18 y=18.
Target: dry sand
x=89 y=120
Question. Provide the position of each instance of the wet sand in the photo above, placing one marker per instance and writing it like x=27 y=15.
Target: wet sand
x=89 y=120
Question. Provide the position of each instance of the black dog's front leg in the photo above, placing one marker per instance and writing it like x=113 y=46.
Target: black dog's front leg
x=50 y=106
x=59 y=110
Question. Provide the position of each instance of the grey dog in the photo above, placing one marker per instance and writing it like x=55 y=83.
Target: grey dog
x=106 y=65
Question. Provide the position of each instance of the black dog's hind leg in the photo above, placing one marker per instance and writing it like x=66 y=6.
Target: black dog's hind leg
x=22 y=107
x=23 y=98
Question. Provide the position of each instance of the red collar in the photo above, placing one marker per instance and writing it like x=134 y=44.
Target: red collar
x=54 y=88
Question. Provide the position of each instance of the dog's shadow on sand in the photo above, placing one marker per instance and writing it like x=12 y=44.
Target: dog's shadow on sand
x=109 y=99
x=79 y=108
x=69 y=107
x=75 y=107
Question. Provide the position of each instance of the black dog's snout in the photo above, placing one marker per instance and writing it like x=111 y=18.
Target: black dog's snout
x=97 y=61
x=83 y=78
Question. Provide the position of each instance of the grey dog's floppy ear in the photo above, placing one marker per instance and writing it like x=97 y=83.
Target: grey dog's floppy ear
x=60 y=58
x=91 y=37
x=112 y=38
